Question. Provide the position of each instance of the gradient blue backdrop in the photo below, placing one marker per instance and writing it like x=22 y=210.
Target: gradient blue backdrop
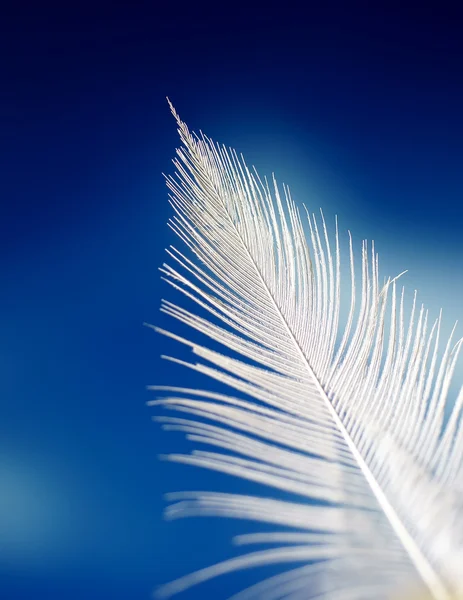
x=357 y=109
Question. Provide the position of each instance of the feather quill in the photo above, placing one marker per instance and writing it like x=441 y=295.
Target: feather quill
x=351 y=415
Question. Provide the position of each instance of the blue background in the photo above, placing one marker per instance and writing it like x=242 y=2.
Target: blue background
x=357 y=109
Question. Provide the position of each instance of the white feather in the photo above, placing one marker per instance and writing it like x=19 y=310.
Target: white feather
x=351 y=418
